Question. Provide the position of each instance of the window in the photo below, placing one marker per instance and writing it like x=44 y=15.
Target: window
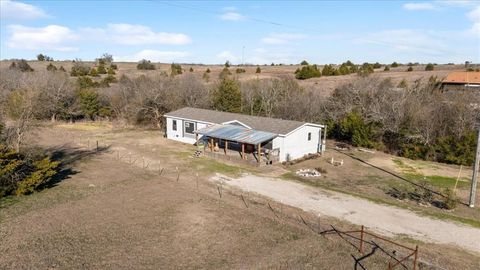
x=174 y=125
x=189 y=127
x=309 y=136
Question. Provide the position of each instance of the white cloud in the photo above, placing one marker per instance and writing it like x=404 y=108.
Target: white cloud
x=134 y=34
x=232 y=16
x=273 y=55
x=474 y=15
x=227 y=56
x=282 y=38
x=419 y=6
x=154 y=55
x=455 y=3
x=20 y=11
x=51 y=37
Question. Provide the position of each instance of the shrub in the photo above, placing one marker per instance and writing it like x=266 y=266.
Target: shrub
x=377 y=65
x=145 y=65
x=429 y=67
x=44 y=170
x=110 y=71
x=259 y=70
x=240 y=70
x=307 y=72
x=409 y=69
x=21 y=65
x=84 y=82
x=386 y=68
x=206 y=77
x=62 y=69
x=79 y=69
x=114 y=66
x=109 y=79
x=352 y=128
x=328 y=70
x=51 y=67
x=450 y=199
x=22 y=175
x=41 y=57
x=101 y=69
x=176 y=69
x=402 y=84
x=304 y=63
x=207 y=71
x=365 y=70
x=227 y=64
x=93 y=72
x=225 y=73
x=394 y=64
x=191 y=69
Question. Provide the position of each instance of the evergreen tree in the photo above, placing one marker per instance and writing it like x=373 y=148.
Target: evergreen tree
x=258 y=70
x=227 y=97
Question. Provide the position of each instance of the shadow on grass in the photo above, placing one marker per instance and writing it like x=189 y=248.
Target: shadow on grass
x=396 y=175
x=67 y=157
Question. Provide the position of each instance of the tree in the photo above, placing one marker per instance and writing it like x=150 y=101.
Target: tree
x=145 y=65
x=41 y=57
x=365 y=70
x=51 y=67
x=307 y=72
x=377 y=65
x=394 y=64
x=176 y=69
x=191 y=69
x=79 y=69
x=227 y=96
x=328 y=70
x=89 y=103
x=227 y=64
x=259 y=70
x=224 y=74
x=21 y=65
x=429 y=67
x=208 y=70
x=304 y=63
x=101 y=69
x=93 y=72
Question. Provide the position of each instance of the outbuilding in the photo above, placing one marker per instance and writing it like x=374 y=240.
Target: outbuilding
x=285 y=139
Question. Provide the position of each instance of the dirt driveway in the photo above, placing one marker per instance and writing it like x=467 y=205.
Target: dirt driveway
x=387 y=220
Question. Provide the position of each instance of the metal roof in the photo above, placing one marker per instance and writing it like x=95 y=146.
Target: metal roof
x=236 y=133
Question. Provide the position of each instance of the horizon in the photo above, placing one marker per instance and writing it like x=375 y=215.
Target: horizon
x=243 y=32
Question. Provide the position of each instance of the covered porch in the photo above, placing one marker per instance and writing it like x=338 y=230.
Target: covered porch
x=238 y=144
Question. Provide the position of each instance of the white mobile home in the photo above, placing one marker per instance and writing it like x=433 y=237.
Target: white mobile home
x=289 y=139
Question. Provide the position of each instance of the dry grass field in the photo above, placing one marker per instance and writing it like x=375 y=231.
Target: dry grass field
x=125 y=206
x=323 y=85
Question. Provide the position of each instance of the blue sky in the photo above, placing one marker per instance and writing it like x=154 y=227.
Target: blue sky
x=254 y=32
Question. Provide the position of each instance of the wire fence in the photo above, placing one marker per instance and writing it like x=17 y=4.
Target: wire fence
x=360 y=239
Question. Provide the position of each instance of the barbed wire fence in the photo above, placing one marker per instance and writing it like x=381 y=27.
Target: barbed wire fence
x=360 y=240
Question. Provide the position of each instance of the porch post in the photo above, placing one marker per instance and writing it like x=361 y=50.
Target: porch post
x=226 y=146
x=243 y=151
x=196 y=138
x=211 y=144
x=259 y=151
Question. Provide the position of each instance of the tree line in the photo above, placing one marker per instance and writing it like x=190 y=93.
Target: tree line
x=415 y=121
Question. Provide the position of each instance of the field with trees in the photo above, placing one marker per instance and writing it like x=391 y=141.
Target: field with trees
x=396 y=110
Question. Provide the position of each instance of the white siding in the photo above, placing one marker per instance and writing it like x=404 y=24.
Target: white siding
x=297 y=145
x=179 y=135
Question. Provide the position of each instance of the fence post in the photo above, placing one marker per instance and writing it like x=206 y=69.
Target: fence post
x=415 y=258
x=389 y=265
x=361 y=240
x=97 y=146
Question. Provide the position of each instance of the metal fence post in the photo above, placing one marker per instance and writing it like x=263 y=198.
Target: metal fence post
x=361 y=240
x=415 y=258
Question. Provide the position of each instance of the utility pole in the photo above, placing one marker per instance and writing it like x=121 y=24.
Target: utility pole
x=473 y=188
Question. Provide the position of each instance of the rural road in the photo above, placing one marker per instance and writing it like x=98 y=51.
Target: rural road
x=387 y=220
